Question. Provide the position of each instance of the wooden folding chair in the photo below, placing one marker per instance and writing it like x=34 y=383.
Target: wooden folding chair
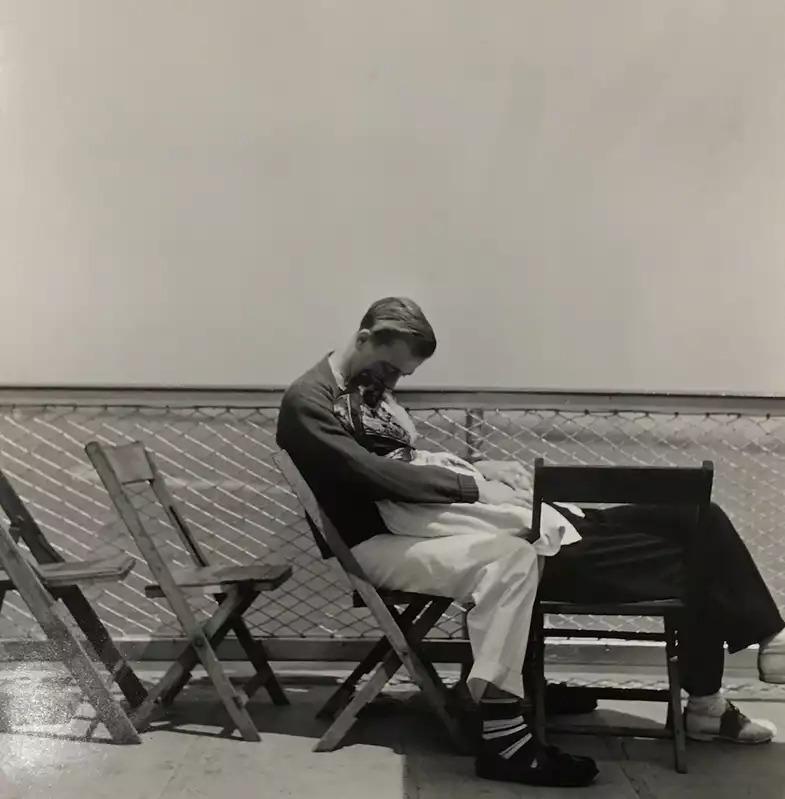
x=666 y=486
x=41 y=584
x=111 y=569
x=234 y=588
x=403 y=631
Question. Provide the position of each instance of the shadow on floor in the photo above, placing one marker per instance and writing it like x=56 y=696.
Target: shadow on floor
x=397 y=734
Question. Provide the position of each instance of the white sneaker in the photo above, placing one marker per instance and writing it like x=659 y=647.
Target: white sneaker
x=732 y=725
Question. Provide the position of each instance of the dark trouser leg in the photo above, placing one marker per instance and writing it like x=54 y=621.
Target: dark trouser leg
x=634 y=553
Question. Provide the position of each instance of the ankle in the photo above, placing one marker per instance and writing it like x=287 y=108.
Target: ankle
x=709 y=705
x=491 y=692
x=505 y=731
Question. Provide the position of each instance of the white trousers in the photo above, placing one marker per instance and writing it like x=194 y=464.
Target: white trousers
x=498 y=573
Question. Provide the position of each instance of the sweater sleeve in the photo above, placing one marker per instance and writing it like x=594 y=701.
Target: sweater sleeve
x=316 y=440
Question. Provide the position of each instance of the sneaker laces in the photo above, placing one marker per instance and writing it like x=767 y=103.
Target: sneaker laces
x=740 y=718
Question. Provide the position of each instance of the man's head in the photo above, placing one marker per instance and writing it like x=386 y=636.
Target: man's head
x=393 y=340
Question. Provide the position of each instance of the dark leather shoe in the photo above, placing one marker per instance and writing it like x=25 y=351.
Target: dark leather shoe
x=550 y=767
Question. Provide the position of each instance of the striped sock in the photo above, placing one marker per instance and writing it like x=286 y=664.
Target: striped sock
x=504 y=730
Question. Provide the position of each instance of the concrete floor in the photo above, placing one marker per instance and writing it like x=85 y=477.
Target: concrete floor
x=396 y=750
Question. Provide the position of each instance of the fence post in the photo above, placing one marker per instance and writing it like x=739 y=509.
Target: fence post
x=474 y=421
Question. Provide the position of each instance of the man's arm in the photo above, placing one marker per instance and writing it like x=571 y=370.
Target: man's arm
x=316 y=440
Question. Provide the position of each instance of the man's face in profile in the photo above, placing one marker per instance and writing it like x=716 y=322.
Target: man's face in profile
x=383 y=364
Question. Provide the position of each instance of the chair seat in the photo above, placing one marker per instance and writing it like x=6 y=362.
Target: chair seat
x=70 y=572
x=259 y=576
x=655 y=607
x=390 y=597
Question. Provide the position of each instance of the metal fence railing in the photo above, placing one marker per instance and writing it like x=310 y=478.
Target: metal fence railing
x=215 y=449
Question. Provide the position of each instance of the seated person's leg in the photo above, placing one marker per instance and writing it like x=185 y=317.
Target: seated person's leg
x=510 y=751
x=499 y=575
x=634 y=553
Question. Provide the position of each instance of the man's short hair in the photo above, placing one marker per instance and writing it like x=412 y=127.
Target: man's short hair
x=400 y=318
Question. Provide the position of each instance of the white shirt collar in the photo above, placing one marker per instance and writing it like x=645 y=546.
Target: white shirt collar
x=339 y=378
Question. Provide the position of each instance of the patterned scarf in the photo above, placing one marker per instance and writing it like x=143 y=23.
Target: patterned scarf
x=368 y=410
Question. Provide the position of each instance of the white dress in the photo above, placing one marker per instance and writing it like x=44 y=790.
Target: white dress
x=431 y=520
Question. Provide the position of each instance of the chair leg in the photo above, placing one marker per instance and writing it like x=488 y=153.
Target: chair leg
x=118 y=723
x=443 y=702
x=674 y=688
x=343 y=695
x=265 y=676
x=190 y=658
x=465 y=667
x=234 y=700
x=98 y=636
x=337 y=731
x=537 y=681
x=380 y=676
x=435 y=611
x=212 y=632
x=425 y=675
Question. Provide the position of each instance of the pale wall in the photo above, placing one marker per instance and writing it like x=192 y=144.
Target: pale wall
x=581 y=194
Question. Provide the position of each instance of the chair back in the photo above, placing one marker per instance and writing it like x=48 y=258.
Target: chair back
x=131 y=464
x=676 y=486
x=22 y=524
x=322 y=528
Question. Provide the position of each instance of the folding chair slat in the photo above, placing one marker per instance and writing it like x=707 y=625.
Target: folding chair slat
x=640 y=485
x=129 y=463
x=651 y=608
x=260 y=576
x=162 y=494
x=73 y=572
x=392 y=597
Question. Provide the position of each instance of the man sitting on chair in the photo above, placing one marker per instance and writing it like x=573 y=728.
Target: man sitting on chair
x=329 y=423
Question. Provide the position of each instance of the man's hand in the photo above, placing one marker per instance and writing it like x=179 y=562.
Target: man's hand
x=511 y=473
x=493 y=492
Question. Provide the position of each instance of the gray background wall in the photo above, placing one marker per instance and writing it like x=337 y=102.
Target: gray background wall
x=581 y=194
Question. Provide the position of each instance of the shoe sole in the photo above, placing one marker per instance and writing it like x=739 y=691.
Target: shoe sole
x=480 y=772
x=706 y=738
x=773 y=679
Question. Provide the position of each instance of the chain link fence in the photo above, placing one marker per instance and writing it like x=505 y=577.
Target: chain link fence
x=216 y=449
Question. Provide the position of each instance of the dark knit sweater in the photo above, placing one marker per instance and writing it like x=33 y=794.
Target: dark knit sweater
x=345 y=477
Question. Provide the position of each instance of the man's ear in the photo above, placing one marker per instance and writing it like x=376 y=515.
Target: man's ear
x=361 y=337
